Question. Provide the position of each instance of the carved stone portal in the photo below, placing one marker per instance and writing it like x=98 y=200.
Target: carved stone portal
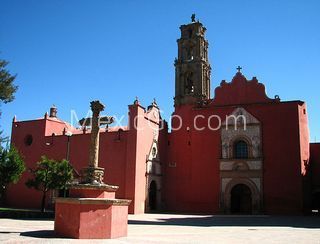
x=241 y=172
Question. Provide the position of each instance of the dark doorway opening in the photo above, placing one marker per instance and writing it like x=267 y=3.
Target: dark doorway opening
x=153 y=196
x=316 y=201
x=241 y=199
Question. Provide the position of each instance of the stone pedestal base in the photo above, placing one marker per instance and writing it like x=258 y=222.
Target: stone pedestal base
x=93 y=191
x=87 y=214
x=92 y=175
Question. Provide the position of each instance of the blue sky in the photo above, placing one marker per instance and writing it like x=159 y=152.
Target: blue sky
x=68 y=53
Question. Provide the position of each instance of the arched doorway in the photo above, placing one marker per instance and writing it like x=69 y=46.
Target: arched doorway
x=241 y=199
x=153 y=196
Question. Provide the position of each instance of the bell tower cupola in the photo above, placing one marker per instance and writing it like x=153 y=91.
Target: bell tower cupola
x=192 y=68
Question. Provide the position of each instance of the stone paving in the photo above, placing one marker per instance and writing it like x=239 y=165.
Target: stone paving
x=171 y=228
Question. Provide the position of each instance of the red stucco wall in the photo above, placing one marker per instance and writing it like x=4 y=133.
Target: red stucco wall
x=123 y=156
x=193 y=185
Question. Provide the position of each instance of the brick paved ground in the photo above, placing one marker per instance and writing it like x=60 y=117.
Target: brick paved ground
x=169 y=228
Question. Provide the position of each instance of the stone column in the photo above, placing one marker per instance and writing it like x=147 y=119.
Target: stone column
x=96 y=108
x=94 y=174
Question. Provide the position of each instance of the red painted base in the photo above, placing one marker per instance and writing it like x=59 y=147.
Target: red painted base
x=91 y=218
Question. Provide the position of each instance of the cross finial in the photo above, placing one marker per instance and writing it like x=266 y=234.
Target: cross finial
x=193 y=18
x=239 y=68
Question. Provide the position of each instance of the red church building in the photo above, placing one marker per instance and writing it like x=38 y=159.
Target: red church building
x=238 y=152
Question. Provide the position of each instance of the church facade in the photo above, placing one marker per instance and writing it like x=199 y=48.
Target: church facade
x=238 y=152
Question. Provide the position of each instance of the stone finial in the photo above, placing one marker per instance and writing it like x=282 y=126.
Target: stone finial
x=154 y=102
x=153 y=105
x=277 y=98
x=46 y=115
x=254 y=79
x=53 y=111
x=14 y=119
x=136 y=101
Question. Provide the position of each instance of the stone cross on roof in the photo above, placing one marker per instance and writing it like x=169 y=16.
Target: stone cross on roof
x=239 y=68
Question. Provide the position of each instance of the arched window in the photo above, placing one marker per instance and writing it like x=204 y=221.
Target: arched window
x=28 y=140
x=240 y=149
x=189 y=86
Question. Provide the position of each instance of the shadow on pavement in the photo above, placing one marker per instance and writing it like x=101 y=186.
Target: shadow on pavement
x=26 y=214
x=9 y=232
x=250 y=221
x=40 y=234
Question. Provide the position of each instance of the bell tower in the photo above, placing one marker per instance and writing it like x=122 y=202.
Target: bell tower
x=192 y=81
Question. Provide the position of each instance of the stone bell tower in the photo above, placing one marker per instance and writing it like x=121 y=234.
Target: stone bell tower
x=192 y=66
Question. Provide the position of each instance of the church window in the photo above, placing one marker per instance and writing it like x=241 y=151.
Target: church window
x=28 y=140
x=240 y=149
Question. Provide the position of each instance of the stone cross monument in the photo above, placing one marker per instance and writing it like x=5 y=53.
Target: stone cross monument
x=93 y=174
x=76 y=216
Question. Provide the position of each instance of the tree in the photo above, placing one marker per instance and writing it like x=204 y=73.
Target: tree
x=3 y=141
x=11 y=167
x=50 y=175
x=7 y=88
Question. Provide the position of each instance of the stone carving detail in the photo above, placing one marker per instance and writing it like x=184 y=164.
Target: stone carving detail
x=224 y=183
x=256 y=149
x=92 y=175
x=240 y=113
x=240 y=166
x=255 y=165
x=257 y=182
x=225 y=149
x=251 y=165
x=233 y=128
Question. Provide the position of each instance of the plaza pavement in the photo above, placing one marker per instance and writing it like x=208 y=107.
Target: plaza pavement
x=171 y=228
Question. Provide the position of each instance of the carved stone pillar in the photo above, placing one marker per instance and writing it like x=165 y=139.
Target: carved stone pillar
x=94 y=174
